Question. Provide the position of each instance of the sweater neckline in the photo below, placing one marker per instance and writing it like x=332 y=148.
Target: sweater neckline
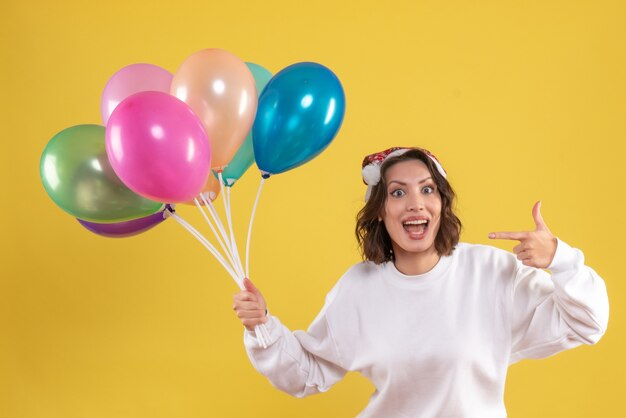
x=395 y=276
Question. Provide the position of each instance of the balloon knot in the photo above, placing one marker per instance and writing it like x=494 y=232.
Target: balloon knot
x=168 y=211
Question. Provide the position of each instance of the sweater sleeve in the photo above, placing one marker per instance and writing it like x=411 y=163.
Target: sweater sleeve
x=298 y=363
x=552 y=313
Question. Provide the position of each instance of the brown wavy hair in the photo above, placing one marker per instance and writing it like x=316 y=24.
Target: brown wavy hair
x=371 y=234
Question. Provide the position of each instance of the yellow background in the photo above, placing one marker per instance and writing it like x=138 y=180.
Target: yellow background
x=520 y=100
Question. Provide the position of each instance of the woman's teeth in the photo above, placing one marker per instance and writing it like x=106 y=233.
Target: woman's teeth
x=417 y=226
x=416 y=222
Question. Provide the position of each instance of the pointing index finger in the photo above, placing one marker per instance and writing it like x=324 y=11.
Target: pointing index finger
x=509 y=235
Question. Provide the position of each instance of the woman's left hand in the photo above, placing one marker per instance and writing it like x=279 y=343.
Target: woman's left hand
x=536 y=248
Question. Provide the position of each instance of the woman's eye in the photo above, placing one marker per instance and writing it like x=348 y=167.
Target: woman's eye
x=428 y=189
x=397 y=193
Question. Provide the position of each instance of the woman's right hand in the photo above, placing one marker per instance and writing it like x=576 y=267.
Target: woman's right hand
x=250 y=306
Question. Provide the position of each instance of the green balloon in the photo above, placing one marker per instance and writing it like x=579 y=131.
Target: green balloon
x=244 y=157
x=76 y=173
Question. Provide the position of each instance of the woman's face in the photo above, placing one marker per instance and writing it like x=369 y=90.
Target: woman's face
x=412 y=210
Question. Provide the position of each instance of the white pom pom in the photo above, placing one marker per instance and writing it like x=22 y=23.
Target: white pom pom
x=371 y=174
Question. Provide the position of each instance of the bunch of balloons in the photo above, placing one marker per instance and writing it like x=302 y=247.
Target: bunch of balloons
x=164 y=133
x=187 y=137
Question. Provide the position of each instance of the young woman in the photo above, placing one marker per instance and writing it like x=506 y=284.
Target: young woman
x=433 y=323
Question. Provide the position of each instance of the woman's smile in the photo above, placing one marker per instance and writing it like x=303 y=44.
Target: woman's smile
x=416 y=226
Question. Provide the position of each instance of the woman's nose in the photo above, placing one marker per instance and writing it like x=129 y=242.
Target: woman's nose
x=415 y=203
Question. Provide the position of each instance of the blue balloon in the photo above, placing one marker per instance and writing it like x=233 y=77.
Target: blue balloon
x=298 y=115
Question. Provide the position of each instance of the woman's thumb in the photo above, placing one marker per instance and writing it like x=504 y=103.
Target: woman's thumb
x=250 y=287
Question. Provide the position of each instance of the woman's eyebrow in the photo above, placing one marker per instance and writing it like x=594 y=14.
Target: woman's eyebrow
x=401 y=183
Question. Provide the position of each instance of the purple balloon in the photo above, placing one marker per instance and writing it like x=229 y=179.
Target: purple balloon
x=127 y=228
x=130 y=80
x=158 y=147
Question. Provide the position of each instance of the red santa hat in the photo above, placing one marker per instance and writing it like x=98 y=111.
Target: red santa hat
x=370 y=169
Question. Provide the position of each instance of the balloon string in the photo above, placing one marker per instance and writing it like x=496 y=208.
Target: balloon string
x=256 y=202
x=229 y=216
x=216 y=219
x=207 y=244
x=264 y=331
x=266 y=335
x=261 y=331
x=215 y=233
x=233 y=244
x=218 y=222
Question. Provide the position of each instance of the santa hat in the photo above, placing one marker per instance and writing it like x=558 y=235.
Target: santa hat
x=370 y=169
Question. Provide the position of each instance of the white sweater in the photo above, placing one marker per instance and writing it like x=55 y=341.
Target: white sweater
x=438 y=344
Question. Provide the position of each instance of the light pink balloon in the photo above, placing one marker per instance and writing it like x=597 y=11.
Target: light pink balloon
x=130 y=80
x=158 y=147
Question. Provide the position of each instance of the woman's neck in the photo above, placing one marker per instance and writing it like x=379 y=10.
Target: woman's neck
x=412 y=264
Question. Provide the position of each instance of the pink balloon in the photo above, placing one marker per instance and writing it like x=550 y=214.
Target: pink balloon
x=158 y=147
x=130 y=80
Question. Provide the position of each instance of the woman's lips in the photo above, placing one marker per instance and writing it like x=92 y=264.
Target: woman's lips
x=416 y=231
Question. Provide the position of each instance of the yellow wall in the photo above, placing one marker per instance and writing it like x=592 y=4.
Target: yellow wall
x=520 y=100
